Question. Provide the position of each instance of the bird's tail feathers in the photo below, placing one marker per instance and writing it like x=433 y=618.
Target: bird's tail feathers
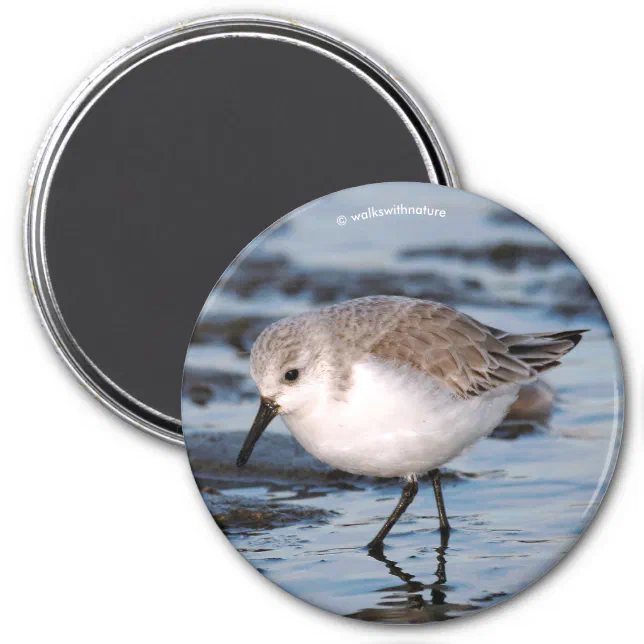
x=541 y=351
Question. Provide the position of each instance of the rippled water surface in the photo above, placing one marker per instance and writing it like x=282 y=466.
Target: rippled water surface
x=517 y=501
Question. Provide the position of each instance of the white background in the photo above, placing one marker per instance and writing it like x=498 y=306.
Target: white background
x=104 y=536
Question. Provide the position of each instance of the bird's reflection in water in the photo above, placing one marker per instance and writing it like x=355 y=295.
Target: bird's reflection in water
x=409 y=602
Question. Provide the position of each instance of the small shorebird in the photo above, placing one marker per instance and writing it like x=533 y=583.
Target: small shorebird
x=393 y=386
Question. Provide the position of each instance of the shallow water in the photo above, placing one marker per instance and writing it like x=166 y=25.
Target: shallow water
x=517 y=501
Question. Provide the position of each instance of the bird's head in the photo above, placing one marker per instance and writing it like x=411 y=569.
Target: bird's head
x=291 y=364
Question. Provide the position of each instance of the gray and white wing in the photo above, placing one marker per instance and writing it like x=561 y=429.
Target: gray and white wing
x=467 y=356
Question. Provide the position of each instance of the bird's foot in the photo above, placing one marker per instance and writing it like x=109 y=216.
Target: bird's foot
x=376 y=546
x=445 y=531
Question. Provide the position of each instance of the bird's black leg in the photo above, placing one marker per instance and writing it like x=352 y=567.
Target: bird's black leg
x=440 y=504
x=407 y=496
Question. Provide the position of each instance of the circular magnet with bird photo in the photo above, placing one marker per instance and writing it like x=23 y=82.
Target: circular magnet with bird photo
x=402 y=403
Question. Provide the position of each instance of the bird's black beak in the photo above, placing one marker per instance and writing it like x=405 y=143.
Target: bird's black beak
x=266 y=412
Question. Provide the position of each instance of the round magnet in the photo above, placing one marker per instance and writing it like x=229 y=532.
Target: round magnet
x=402 y=403
x=172 y=156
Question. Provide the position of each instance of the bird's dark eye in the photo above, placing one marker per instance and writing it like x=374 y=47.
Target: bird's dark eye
x=291 y=375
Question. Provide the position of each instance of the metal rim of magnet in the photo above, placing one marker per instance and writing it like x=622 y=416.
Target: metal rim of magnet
x=439 y=166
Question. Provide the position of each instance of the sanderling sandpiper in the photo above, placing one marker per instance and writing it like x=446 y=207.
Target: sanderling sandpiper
x=393 y=386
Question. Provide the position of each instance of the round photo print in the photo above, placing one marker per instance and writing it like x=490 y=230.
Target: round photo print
x=402 y=403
